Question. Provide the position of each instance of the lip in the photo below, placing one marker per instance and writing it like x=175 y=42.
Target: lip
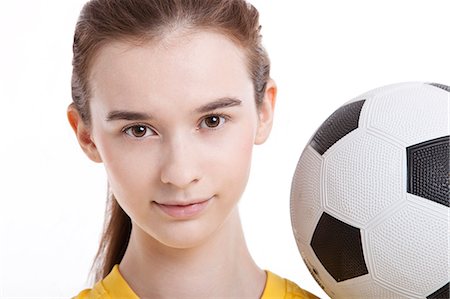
x=181 y=211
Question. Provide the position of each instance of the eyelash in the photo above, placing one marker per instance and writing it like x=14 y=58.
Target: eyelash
x=222 y=118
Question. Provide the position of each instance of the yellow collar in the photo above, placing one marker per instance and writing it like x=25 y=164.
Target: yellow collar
x=115 y=286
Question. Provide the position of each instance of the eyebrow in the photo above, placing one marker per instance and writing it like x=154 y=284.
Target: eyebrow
x=225 y=102
x=127 y=115
x=219 y=103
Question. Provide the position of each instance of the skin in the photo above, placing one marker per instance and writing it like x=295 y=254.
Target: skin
x=181 y=152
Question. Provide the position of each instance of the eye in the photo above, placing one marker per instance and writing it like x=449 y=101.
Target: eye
x=213 y=121
x=139 y=131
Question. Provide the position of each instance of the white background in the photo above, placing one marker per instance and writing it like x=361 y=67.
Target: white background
x=52 y=197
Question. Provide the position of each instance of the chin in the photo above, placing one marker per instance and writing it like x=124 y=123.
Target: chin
x=185 y=235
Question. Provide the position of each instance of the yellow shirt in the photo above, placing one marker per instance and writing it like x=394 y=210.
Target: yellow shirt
x=114 y=286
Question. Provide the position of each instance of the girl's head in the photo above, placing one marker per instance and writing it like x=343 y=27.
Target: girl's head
x=171 y=96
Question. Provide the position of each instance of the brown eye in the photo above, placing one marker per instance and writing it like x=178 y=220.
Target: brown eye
x=139 y=131
x=212 y=121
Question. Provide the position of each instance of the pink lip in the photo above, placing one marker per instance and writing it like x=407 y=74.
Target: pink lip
x=183 y=211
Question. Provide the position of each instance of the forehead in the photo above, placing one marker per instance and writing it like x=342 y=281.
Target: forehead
x=192 y=66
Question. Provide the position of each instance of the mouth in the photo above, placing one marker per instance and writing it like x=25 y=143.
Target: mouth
x=183 y=210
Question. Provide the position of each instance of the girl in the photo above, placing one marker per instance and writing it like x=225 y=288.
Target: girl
x=171 y=95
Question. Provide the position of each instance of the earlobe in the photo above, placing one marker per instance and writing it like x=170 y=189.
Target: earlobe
x=83 y=134
x=265 y=112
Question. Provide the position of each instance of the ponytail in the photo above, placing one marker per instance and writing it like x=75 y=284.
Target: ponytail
x=114 y=241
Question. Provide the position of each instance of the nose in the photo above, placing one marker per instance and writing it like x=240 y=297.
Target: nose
x=179 y=164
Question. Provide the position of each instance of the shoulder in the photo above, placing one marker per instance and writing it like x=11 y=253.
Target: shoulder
x=112 y=286
x=97 y=292
x=277 y=287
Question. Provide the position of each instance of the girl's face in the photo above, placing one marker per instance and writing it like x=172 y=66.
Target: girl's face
x=174 y=123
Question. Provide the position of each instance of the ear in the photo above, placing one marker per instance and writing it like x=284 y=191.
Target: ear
x=265 y=112
x=83 y=134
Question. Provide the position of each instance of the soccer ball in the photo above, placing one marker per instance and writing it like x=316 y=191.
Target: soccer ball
x=370 y=195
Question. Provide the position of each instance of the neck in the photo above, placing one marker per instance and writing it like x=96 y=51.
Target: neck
x=219 y=267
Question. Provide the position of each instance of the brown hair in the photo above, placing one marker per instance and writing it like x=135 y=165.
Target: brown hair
x=103 y=21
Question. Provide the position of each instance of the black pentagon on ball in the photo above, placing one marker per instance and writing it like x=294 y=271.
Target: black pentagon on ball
x=338 y=247
x=441 y=86
x=428 y=170
x=442 y=293
x=340 y=123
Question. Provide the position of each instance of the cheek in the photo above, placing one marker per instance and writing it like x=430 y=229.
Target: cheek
x=234 y=159
x=127 y=167
x=242 y=151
